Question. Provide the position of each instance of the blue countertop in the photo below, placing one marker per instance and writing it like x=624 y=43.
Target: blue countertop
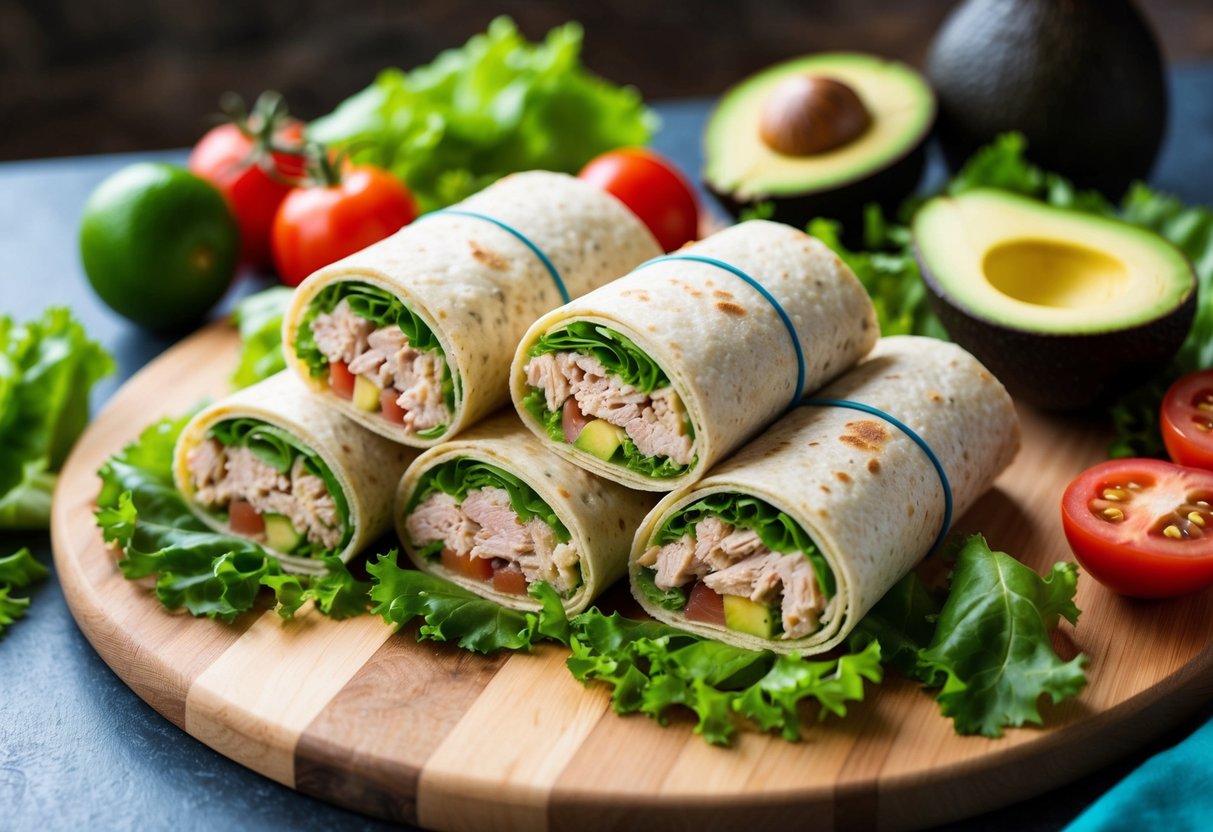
x=79 y=750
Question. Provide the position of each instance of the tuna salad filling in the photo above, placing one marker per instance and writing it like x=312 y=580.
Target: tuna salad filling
x=481 y=522
x=373 y=350
x=267 y=486
x=738 y=562
x=593 y=388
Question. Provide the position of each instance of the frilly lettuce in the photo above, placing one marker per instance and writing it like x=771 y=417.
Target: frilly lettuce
x=497 y=105
x=17 y=571
x=259 y=319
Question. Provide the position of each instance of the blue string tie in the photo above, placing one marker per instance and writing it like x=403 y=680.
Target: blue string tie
x=543 y=258
x=762 y=290
x=918 y=440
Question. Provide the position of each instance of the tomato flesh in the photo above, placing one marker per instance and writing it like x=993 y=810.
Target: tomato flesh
x=477 y=569
x=1186 y=420
x=509 y=579
x=572 y=420
x=651 y=186
x=244 y=519
x=393 y=412
x=705 y=605
x=1142 y=527
x=341 y=380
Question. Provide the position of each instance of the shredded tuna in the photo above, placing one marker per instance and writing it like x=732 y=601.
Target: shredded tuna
x=654 y=420
x=221 y=475
x=486 y=526
x=735 y=561
x=384 y=356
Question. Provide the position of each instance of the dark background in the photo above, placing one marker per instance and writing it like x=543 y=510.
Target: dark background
x=96 y=76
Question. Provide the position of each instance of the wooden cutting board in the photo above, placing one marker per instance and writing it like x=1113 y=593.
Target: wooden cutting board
x=351 y=713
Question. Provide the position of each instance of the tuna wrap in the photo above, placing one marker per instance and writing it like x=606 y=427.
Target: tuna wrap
x=651 y=380
x=813 y=522
x=494 y=510
x=412 y=337
x=273 y=463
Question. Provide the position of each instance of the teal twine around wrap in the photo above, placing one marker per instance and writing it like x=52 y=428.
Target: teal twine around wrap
x=918 y=440
x=522 y=238
x=762 y=290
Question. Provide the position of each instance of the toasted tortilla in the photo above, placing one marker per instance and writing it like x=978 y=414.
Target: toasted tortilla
x=368 y=467
x=478 y=287
x=601 y=516
x=866 y=494
x=722 y=344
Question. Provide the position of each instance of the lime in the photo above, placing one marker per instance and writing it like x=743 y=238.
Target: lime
x=159 y=245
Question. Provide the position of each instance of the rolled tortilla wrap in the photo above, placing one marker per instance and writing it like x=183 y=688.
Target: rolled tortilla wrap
x=862 y=498
x=462 y=290
x=496 y=497
x=307 y=451
x=704 y=356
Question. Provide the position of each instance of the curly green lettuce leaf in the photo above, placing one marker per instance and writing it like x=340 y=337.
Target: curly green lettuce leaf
x=777 y=530
x=1004 y=165
x=259 y=320
x=452 y=613
x=535 y=404
x=196 y=569
x=17 y=571
x=671 y=599
x=652 y=667
x=47 y=369
x=991 y=653
x=495 y=106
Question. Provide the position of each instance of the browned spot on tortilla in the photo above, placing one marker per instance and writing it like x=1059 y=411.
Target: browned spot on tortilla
x=865 y=435
x=721 y=293
x=934 y=396
x=345 y=448
x=563 y=492
x=966 y=456
x=674 y=345
x=842 y=476
x=442 y=314
x=730 y=308
x=814 y=444
x=652 y=329
x=821 y=512
x=640 y=295
x=622 y=525
x=873 y=466
x=952 y=363
x=910 y=510
x=984 y=376
x=826 y=489
x=489 y=258
x=892 y=377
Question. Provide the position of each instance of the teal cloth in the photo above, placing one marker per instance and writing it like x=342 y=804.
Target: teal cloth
x=1172 y=791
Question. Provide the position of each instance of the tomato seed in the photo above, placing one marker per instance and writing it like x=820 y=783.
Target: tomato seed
x=1196 y=517
x=1173 y=532
x=1114 y=514
x=1115 y=494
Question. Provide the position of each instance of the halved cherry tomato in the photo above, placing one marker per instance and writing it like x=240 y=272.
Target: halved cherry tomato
x=477 y=569
x=1186 y=420
x=653 y=188
x=1142 y=527
x=572 y=420
x=393 y=412
x=705 y=605
x=320 y=224
x=253 y=177
x=244 y=519
x=509 y=579
x=341 y=379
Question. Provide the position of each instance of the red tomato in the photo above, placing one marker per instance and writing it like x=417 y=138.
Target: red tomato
x=653 y=188
x=244 y=519
x=320 y=224
x=341 y=380
x=509 y=579
x=235 y=164
x=1186 y=420
x=387 y=404
x=572 y=420
x=1142 y=527
x=705 y=605
x=477 y=569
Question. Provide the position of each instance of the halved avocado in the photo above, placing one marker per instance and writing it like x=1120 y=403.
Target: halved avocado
x=1066 y=308
x=820 y=136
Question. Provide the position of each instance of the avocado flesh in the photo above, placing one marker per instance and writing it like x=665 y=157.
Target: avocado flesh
x=746 y=616
x=280 y=533
x=600 y=438
x=366 y=394
x=1065 y=308
x=742 y=170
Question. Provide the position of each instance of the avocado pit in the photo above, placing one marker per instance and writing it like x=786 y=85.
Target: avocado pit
x=810 y=114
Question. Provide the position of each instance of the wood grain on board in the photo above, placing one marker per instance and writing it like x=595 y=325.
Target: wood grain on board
x=426 y=733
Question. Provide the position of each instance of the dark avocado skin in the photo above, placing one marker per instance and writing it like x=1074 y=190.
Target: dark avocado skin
x=1081 y=79
x=1058 y=371
x=887 y=187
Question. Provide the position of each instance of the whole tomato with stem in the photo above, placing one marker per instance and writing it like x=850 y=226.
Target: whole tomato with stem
x=254 y=159
x=344 y=208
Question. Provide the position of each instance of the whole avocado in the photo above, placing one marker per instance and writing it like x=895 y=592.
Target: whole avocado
x=1081 y=79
